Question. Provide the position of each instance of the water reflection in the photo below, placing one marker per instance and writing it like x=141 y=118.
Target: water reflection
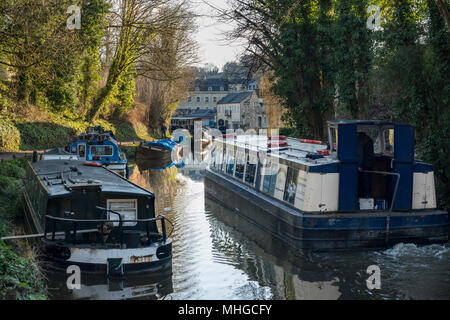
x=218 y=255
x=141 y=287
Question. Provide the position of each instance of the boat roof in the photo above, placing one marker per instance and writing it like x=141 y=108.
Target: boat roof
x=364 y=122
x=296 y=151
x=49 y=172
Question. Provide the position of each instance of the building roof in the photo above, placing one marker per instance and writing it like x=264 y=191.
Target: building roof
x=364 y=122
x=197 y=114
x=214 y=83
x=201 y=114
x=235 y=97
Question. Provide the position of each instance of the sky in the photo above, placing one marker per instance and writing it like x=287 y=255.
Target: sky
x=213 y=47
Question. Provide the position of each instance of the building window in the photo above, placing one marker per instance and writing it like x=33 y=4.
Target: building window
x=214 y=99
x=189 y=99
x=221 y=88
x=206 y=99
x=209 y=88
x=197 y=88
x=198 y=99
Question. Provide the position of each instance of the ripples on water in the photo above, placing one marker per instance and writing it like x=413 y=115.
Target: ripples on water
x=218 y=256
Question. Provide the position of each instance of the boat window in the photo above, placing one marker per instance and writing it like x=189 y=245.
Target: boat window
x=102 y=150
x=240 y=166
x=270 y=178
x=374 y=133
x=333 y=136
x=291 y=185
x=224 y=158
x=218 y=155
x=127 y=208
x=82 y=150
x=230 y=163
x=388 y=139
x=250 y=171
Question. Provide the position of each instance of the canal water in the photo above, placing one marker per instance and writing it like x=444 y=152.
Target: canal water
x=219 y=256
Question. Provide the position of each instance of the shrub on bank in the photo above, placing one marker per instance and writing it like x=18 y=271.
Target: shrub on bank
x=19 y=278
x=19 y=275
x=9 y=136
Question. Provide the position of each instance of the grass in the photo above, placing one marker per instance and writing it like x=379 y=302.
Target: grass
x=33 y=129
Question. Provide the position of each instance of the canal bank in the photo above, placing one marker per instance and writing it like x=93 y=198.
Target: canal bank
x=20 y=274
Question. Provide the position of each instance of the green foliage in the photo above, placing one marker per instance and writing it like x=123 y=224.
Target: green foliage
x=130 y=151
x=18 y=276
x=125 y=92
x=10 y=192
x=9 y=136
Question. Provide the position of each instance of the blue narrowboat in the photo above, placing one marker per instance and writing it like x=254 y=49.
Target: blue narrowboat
x=97 y=147
x=324 y=196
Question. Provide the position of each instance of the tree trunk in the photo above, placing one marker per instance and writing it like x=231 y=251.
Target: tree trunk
x=443 y=8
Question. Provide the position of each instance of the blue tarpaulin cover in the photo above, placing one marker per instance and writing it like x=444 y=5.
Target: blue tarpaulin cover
x=166 y=144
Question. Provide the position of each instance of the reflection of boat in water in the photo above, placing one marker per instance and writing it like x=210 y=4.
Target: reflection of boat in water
x=163 y=151
x=307 y=195
x=289 y=274
x=95 y=146
x=94 y=218
x=158 y=164
x=98 y=288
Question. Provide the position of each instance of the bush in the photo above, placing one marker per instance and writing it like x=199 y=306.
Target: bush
x=10 y=139
x=10 y=193
x=19 y=276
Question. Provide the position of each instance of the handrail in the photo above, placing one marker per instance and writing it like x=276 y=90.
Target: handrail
x=102 y=221
x=388 y=217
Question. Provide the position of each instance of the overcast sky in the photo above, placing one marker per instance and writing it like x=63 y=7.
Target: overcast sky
x=213 y=48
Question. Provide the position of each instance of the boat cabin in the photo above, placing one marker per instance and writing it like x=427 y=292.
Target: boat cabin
x=315 y=176
x=71 y=190
x=95 y=145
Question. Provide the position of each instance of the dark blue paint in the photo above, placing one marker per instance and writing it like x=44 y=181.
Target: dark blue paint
x=403 y=164
x=348 y=178
x=375 y=222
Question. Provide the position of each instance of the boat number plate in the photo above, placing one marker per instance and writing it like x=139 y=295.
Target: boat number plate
x=141 y=259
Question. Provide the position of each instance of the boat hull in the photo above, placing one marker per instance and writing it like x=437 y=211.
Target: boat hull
x=326 y=231
x=95 y=261
x=155 y=153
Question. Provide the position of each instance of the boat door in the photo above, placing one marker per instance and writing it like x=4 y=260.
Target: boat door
x=82 y=151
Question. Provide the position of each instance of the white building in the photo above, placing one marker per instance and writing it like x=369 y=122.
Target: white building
x=204 y=95
x=231 y=110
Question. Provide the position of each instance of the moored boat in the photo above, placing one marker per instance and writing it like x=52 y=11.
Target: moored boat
x=163 y=151
x=95 y=146
x=94 y=218
x=308 y=193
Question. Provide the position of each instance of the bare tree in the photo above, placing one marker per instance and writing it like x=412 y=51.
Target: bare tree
x=151 y=36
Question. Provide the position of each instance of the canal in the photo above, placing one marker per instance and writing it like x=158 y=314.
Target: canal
x=219 y=256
